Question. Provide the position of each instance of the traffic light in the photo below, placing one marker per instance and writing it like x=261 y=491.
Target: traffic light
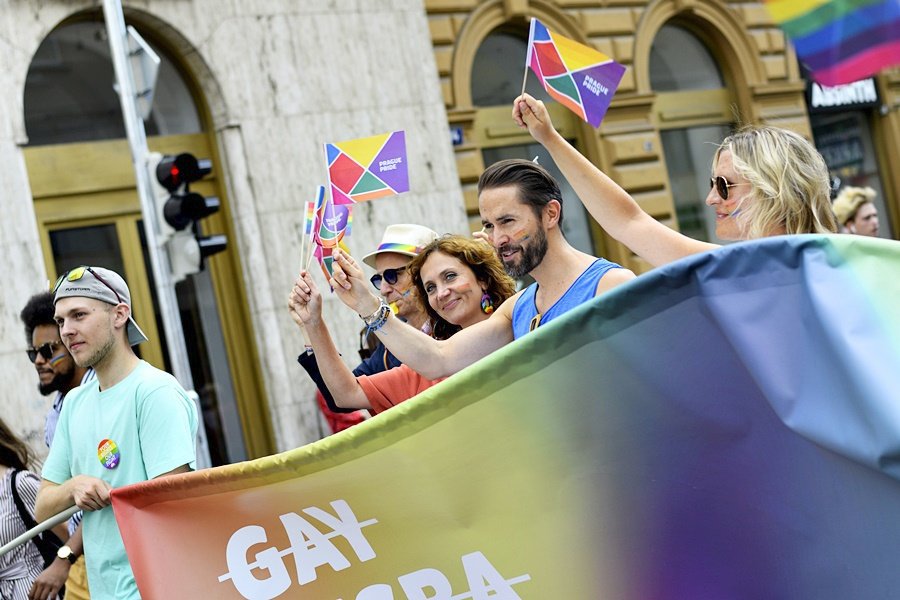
x=182 y=211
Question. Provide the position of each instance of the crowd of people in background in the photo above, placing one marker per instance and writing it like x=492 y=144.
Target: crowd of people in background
x=442 y=303
x=765 y=181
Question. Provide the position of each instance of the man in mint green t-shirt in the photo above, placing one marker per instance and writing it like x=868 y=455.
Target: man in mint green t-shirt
x=132 y=423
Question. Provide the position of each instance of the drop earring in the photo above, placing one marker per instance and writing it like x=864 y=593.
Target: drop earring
x=487 y=306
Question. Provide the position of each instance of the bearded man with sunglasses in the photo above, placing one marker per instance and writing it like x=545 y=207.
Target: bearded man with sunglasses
x=57 y=372
x=132 y=423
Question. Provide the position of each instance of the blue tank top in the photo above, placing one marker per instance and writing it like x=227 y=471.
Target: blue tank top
x=582 y=289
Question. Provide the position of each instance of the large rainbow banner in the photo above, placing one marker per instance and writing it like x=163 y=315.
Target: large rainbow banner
x=727 y=426
x=577 y=76
x=367 y=168
x=841 y=41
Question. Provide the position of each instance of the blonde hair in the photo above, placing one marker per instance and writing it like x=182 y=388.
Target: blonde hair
x=849 y=201
x=789 y=182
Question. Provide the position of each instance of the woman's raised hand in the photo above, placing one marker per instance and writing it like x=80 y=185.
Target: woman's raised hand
x=530 y=113
x=349 y=284
x=305 y=301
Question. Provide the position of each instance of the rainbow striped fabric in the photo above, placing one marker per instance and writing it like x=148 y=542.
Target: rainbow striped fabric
x=577 y=76
x=726 y=426
x=311 y=214
x=841 y=41
x=397 y=247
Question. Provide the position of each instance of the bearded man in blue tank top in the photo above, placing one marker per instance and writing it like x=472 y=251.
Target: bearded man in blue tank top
x=521 y=210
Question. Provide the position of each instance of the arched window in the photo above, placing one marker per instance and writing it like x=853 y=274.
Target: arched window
x=88 y=212
x=499 y=68
x=679 y=62
x=69 y=95
x=693 y=109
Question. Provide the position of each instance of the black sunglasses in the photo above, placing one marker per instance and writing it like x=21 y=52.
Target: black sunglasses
x=389 y=275
x=721 y=184
x=45 y=350
x=77 y=273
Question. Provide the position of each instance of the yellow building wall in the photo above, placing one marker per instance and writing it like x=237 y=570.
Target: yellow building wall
x=763 y=80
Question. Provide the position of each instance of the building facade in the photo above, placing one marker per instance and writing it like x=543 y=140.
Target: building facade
x=258 y=87
x=696 y=70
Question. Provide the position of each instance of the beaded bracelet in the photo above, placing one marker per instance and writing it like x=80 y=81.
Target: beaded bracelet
x=377 y=319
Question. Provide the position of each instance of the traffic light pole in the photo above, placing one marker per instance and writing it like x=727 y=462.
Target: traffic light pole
x=167 y=302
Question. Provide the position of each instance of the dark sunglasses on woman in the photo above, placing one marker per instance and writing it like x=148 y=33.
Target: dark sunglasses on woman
x=721 y=184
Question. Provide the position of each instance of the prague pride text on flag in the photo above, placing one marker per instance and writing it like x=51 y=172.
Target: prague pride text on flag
x=841 y=41
x=578 y=76
x=329 y=224
x=367 y=168
x=333 y=223
x=726 y=426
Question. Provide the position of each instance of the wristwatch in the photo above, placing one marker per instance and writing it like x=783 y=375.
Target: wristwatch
x=66 y=553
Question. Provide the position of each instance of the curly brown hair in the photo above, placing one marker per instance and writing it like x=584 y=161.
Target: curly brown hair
x=480 y=257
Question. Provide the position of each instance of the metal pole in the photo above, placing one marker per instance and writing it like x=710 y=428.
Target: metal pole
x=167 y=302
x=39 y=528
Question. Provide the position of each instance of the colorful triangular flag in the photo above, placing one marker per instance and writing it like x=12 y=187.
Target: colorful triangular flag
x=577 y=76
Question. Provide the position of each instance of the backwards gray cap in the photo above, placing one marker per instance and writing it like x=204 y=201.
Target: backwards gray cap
x=100 y=284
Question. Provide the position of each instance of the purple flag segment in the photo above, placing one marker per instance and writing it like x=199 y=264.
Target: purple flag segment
x=597 y=86
x=336 y=217
x=390 y=164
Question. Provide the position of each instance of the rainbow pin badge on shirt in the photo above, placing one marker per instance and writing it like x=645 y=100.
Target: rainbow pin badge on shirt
x=108 y=454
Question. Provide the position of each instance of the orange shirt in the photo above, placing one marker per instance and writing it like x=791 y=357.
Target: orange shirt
x=394 y=386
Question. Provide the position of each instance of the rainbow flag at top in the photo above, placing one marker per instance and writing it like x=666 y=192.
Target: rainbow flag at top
x=367 y=168
x=578 y=76
x=726 y=426
x=312 y=212
x=841 y=41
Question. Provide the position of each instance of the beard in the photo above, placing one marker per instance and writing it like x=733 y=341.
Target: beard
x=59 y=382
x=530 y=255
x=99 y=354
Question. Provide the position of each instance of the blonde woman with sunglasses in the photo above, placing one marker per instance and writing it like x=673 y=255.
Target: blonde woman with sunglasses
x=765 y=181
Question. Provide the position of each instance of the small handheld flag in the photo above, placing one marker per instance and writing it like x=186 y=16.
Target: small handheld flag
x=311 y=219
x=367 y=168
x=841 y=41
x=577 y=76
x=333 y=224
